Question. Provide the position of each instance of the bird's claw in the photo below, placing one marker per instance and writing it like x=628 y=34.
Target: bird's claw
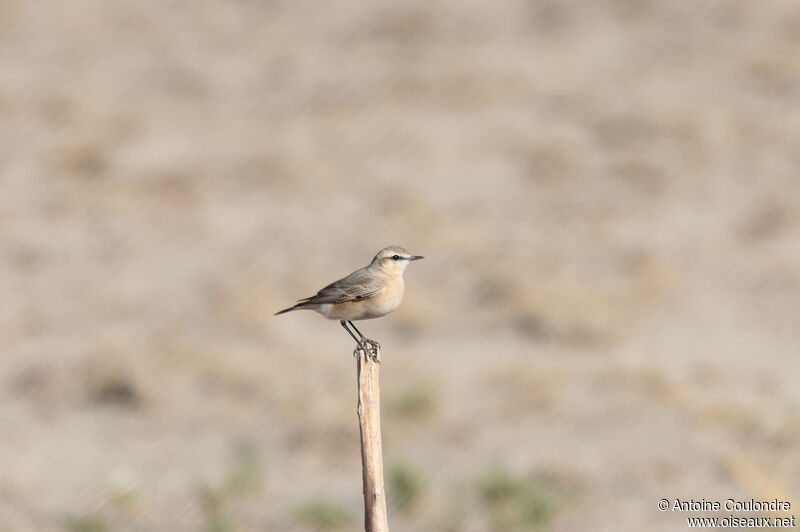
x=371 y=348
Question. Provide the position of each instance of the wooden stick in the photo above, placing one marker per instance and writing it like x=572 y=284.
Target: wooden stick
x=369 y=420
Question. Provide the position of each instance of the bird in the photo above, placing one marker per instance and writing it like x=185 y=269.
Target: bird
x=370 y=292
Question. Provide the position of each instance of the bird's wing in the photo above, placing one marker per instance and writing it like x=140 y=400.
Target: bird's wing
x=360 y=284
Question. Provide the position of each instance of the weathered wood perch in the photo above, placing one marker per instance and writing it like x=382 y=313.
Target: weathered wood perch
x=369 y=420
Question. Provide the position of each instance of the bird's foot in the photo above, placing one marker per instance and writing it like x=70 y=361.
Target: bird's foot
x=371 y=348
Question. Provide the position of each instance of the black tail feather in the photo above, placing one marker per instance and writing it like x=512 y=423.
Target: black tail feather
x=298 y=306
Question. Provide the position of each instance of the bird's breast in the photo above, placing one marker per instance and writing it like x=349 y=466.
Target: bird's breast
x=390 y=297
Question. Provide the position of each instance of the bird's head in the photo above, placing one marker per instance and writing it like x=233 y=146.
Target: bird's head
x=393 y=260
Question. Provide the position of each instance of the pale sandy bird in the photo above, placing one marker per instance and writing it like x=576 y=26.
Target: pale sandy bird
x=371 y=292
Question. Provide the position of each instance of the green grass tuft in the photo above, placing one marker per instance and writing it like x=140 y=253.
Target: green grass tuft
x=85 y=523
x=405 y=487
x=517 y=503
x=323 y=515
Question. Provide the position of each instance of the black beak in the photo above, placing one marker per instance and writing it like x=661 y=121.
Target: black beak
x=416 y=257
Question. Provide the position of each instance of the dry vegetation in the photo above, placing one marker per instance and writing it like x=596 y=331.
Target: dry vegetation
x=607 y=194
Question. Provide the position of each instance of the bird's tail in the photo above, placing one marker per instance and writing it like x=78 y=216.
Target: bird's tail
x=284 y=311
x=301 y=305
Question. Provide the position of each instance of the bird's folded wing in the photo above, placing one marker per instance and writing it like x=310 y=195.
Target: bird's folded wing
x=358 y=285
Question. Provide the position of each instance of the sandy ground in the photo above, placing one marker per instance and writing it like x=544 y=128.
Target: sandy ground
x=607 y=194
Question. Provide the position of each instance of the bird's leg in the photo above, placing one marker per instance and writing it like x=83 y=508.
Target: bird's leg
x=360 y=341
x=372 y=345
x=351 y=324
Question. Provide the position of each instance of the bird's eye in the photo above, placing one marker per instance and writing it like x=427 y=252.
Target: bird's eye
x=395 y=257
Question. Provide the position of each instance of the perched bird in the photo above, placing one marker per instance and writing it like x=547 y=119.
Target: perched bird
x=371 y=292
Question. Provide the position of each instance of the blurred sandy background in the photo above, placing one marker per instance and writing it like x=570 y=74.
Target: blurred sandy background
x=607 y=194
